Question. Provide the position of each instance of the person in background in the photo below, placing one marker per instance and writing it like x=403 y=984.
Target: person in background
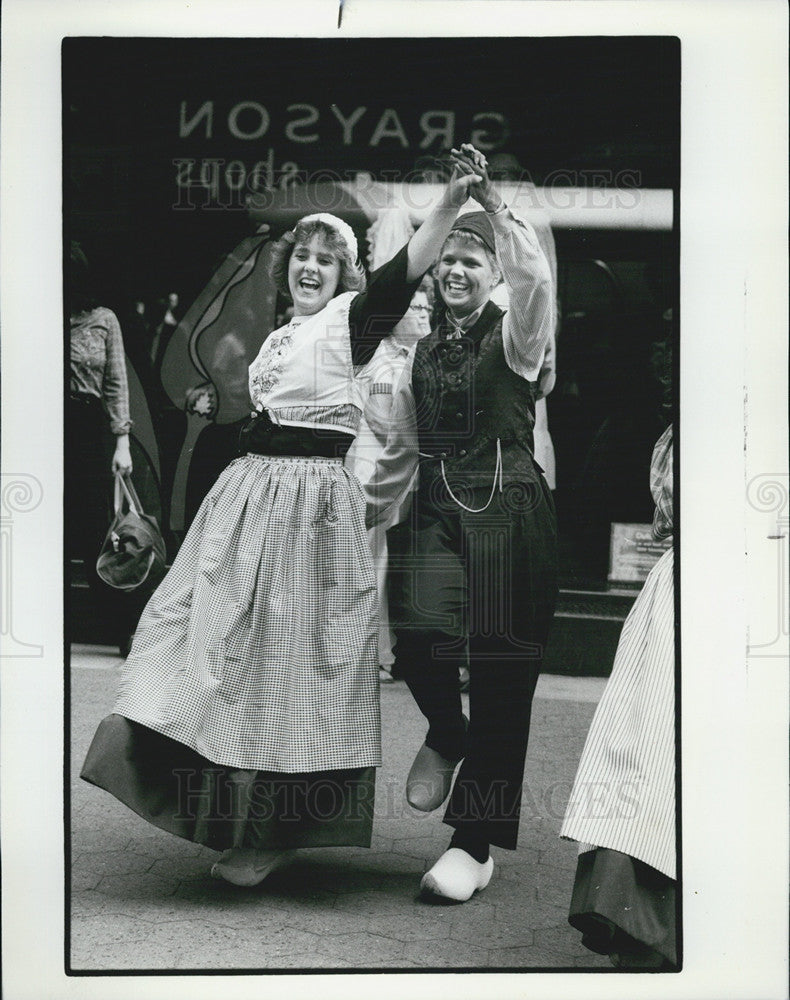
x=380 y=379
x=98 y=404
x=622 y=806
x=432 y=168
x=389 y=535
x=474 y=383
x=421 y=308
x=141 y=320
x=137 y=341
x=503 y=166
x=164 y=329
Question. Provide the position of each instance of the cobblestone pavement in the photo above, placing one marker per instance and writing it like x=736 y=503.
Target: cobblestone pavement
x=143 y=899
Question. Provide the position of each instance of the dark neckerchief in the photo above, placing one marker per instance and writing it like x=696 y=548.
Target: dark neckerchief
x=486 y=320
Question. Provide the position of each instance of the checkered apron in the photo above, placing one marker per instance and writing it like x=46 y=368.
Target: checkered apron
x=258 y=650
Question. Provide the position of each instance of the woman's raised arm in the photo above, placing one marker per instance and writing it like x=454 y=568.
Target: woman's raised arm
x=426 y=243
x=374 y=312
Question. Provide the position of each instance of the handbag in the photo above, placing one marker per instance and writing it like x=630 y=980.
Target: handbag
x=134 y=550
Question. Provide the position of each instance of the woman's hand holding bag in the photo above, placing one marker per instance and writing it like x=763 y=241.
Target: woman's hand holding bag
x=134 y=550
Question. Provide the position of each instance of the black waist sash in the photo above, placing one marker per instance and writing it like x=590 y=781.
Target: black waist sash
x=262 y=437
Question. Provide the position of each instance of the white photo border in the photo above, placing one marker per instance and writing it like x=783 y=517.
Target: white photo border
x=733 y=409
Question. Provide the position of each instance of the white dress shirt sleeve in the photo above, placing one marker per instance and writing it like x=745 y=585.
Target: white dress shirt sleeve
x=529 y=321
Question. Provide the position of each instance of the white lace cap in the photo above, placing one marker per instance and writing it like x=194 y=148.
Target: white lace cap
x=343 y=230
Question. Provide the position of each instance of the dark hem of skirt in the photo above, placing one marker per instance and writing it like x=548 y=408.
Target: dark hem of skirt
x=624 y=909
x=176 y=789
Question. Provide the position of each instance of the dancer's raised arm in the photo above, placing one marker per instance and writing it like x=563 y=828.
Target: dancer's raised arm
x=426 y=243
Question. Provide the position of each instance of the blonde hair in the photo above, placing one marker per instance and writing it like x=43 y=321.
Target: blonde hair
x=352 y=275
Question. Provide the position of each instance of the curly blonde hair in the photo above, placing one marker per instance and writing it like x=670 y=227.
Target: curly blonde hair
x=352 y=275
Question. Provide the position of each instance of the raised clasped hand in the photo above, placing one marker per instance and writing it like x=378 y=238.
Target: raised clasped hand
x=471 y=160
x=461 y=180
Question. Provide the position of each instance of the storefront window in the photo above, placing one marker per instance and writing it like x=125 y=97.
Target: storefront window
x=610 y=402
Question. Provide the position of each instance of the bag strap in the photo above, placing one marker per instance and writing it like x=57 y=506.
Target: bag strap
x=132 y=492
x=124 y=485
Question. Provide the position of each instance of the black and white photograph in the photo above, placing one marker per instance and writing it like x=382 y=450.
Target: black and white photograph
x=343 y=560
x=377 y=366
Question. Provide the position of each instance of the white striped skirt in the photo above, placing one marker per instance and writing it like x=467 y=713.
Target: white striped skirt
x=259 y=648
x=623 y=796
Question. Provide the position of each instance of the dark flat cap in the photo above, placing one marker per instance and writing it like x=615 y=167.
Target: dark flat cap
x=479 y=224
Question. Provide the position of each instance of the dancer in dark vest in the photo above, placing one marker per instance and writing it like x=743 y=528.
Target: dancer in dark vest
x=482 y=570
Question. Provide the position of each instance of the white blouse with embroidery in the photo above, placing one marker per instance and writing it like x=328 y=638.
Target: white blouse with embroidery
x=303 y=375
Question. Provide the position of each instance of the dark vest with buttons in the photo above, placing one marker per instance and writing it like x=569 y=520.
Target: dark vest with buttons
x=466 y=398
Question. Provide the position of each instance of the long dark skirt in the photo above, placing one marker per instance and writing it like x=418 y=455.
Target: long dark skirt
x=624 y=909
x=178 y=790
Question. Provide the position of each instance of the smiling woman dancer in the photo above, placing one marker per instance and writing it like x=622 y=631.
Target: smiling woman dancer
x=248 y=714
x=482 y=570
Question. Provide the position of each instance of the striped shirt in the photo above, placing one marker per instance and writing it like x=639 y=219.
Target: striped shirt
x=529 y=321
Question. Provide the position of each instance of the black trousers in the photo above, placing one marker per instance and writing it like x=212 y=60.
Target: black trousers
x=483 y=583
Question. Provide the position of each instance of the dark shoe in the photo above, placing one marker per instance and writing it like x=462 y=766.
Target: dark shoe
x=430 y=778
